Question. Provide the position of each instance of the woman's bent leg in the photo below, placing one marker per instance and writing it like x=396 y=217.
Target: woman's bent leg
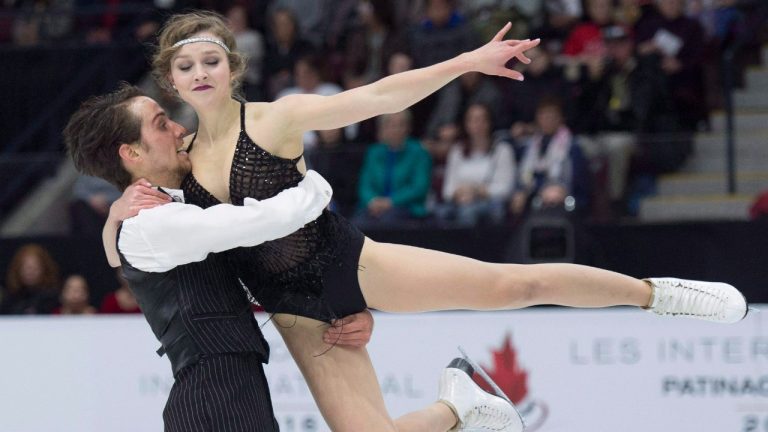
x=344 y=384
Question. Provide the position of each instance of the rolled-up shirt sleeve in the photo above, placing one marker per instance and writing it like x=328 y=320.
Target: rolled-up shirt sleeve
x=161 y=238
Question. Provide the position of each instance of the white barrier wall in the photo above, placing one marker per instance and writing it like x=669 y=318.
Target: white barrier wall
x=610 y=370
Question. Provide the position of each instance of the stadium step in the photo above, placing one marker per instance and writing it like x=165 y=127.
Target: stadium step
x=695 y=208
x=757 y=79
x=699 y=191
x=711 y=183
x=744 y=163
x=751 y=99
x=746 y=121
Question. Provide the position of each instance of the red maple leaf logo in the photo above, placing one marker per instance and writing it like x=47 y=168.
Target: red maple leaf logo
x=506 y=372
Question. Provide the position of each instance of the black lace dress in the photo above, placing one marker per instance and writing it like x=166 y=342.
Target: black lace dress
x=312 y=272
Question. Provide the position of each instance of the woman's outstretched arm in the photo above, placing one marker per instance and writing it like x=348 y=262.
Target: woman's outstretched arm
x=397 y=92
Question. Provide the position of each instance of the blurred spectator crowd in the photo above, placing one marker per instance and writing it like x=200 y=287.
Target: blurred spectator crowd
x=612 y=98
x=34 y=286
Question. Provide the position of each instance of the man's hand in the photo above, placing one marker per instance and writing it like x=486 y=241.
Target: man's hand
x=138 y=196
x=351 y=331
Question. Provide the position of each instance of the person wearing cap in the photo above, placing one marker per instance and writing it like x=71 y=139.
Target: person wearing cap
x=605 y=114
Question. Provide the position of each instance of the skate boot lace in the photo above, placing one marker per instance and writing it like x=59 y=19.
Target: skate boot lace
x=679 y=299
x=487 y=418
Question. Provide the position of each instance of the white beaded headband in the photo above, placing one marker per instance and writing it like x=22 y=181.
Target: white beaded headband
x=201 y=39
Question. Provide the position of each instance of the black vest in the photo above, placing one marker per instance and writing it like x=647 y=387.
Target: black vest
x=196 y=309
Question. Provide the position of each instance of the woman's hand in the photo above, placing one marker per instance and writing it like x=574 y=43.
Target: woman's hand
x=138 y=196
x=296 y=114
x=492 y=58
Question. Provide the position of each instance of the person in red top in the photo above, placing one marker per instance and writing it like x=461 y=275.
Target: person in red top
x=586 y=39
x=759 y=209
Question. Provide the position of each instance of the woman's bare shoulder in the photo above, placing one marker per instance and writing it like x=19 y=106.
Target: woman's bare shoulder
x=276 y=110
x=257 y=110
x=267 y=124
x=270 y=116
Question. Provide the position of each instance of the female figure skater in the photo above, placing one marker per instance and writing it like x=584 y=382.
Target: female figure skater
x=329 y=269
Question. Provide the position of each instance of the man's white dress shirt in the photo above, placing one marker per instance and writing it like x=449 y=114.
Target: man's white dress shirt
x=161 y=238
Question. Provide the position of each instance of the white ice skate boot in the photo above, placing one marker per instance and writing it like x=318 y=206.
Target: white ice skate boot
x=476 y=409
x=710 y=301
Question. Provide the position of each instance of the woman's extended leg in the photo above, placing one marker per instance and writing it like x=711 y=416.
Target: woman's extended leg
x=399 y=278
x=344 y=384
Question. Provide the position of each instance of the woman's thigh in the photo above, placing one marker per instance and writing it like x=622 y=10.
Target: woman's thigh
x=399 y=278
x=342 y=380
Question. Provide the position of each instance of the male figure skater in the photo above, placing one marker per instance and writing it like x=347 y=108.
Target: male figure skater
x=173 y=258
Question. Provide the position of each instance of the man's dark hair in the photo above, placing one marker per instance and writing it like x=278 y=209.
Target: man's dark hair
x=96 y=131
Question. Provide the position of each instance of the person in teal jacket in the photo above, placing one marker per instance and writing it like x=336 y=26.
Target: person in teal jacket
x=395 y=177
